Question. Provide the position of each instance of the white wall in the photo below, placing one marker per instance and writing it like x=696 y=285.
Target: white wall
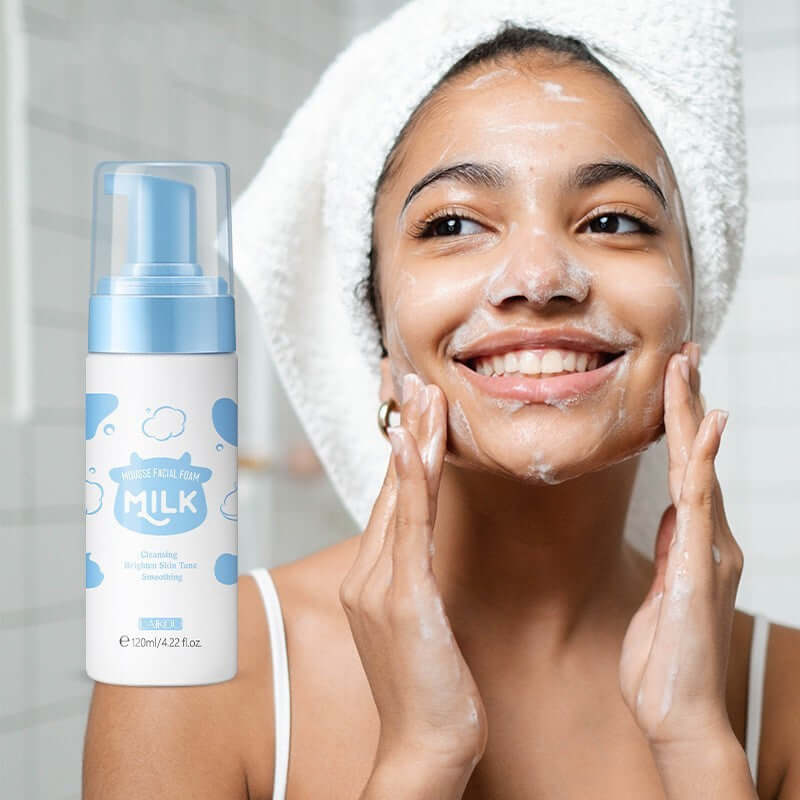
x=752 y=369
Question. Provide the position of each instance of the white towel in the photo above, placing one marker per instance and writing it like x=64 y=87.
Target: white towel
x=301 y=229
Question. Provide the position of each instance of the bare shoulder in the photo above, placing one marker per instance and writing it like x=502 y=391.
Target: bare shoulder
x=780 y=744
x=195 y=740
x=307 y=589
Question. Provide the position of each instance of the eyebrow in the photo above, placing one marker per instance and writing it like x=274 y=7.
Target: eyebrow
x=587 y=175
x=494 y=176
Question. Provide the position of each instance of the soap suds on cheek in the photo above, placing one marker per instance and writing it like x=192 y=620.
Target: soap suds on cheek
x=678 y=327
x=652 y=406
x=458 y=421
x=395 y=342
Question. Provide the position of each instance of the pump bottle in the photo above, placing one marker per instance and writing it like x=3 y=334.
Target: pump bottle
x=161 y=428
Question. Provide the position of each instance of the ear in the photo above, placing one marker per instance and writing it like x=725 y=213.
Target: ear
x=387 y=384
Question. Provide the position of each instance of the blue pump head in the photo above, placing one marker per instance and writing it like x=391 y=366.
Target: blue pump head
x=162 y=224
x=161 y=266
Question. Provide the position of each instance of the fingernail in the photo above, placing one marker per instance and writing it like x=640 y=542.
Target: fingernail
x=722 y=421
x=408 y=386
x=393 y=431
x=423 y=398
x=684 y=365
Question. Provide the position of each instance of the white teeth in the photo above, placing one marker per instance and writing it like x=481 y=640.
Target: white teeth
x=530 y=362
x=552 y=362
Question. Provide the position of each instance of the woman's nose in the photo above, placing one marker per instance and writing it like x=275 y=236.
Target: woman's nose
x=539 y=272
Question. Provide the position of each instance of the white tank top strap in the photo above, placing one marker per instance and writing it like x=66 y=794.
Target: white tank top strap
x=755 y=690
x=280 y=679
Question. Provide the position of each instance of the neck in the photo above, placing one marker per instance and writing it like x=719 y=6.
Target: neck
x=548 y=561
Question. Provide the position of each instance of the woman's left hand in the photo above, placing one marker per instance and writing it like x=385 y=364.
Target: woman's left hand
x=674 y=661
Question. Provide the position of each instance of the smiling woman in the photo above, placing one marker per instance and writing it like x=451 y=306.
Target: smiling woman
x=537 y=217
x=492 y=206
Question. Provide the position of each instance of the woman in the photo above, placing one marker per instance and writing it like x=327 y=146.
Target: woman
x=490 y=633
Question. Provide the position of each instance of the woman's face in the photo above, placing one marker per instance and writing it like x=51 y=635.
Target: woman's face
x=529 y=257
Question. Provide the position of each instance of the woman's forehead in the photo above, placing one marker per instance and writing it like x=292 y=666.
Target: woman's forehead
x=546 y=122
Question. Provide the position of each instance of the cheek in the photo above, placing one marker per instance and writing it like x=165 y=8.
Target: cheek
x=656 y=303
x=414 y=309
x=423 y=308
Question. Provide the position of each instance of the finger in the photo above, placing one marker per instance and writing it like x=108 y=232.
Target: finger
x=411 y=561
x=419 y=425
x=372 y=538
x=689 y=585
x=699 y=491
x=699 y=482
x=409 y=420
x=414 y=387
x=724 y=539
x=379 y=570
x=690 y=556
x=433 y=439
x=692 y=350
x=666 y=530
x=680 y=421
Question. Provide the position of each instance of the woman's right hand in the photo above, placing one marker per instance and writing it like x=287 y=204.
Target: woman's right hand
x=429 y=705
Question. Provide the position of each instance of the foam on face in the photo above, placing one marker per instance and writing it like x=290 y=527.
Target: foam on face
x=518 y=271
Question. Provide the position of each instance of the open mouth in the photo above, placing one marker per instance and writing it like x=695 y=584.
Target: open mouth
x=540 y=364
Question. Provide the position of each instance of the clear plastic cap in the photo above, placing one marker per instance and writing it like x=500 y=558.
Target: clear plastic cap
x=161 y=228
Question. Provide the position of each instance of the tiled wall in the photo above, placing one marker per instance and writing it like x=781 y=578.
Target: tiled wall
x=751 y=370
x=117 y=80
x=180 y=79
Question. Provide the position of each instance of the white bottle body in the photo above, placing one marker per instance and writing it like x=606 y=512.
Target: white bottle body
x=161 y=518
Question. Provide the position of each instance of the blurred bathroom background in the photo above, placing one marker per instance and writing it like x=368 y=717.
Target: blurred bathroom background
x=88 y=80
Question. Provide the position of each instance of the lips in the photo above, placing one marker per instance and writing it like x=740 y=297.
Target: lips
x=518 y=386
x=566 y=338
x=604 y=358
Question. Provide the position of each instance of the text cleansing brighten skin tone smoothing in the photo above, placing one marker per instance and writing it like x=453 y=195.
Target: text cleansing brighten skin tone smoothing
x=161 y=428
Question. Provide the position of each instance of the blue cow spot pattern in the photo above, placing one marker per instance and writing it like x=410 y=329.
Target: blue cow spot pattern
x=94 y=497
x=98 y=407
x=226 y=568
x=224 y=416
x=160 y=495
x=94 y=575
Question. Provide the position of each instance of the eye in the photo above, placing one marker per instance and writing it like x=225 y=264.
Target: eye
x=609 y=222
x=448 y=223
